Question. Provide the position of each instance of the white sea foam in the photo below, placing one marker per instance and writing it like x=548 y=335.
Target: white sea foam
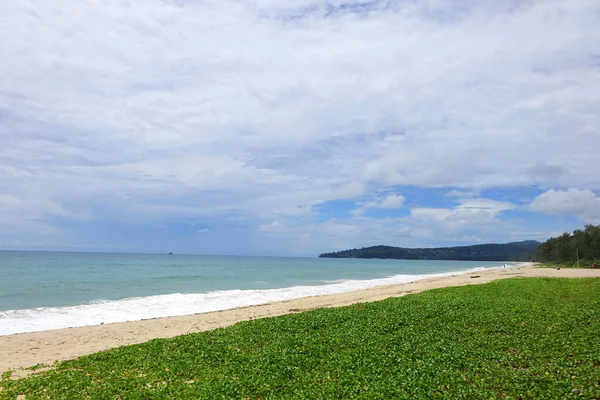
x=337 y=281
x=138 y=308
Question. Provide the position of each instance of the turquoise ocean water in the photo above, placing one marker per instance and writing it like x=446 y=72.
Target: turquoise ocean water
x=51 y=290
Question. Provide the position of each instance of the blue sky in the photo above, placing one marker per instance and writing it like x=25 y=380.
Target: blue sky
x=296 y=127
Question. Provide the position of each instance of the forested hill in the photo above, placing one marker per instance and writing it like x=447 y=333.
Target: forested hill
x=515 y=251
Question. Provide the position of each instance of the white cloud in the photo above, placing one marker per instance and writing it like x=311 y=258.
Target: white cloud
x=477 y=213
x=357 y=212
x=436 y=214
x=461 y=193
x=263 y=110
x=273 y=227
x=203 y=230
x=391 y=201
x=422 y=232
x=310 y=238
x=297 y=228
x=583 y=204
x=466 y=210
x=425 y=227
x=493 y=206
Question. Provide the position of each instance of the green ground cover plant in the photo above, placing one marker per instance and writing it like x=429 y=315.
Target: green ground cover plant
x=520 y=338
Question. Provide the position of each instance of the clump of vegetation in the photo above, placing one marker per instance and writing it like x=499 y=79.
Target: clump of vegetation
x=568 y=248
x=528 y=338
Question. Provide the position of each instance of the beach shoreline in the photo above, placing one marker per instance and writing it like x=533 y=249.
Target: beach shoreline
x=27 y=349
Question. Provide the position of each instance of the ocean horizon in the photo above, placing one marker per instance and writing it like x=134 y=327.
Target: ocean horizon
x=52 y=290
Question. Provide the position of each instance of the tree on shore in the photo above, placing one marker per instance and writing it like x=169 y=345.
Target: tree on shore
x=567 y=247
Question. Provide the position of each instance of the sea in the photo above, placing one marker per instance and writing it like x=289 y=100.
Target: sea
x=52 y=290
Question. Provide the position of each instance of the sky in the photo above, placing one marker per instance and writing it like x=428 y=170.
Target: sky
x=295 y=127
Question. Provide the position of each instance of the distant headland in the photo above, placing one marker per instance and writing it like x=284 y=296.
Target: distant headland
x=514 y=251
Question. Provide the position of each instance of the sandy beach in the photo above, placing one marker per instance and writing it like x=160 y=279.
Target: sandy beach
x=28 y=349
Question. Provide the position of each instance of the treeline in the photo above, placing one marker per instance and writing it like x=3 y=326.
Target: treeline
x=566 y=247
x=515 y=251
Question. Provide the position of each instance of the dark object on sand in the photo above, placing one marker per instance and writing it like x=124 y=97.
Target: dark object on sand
x=558 y=268
x=475 y=276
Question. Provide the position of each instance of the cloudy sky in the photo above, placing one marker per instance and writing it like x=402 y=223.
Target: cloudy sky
x=296 y=126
